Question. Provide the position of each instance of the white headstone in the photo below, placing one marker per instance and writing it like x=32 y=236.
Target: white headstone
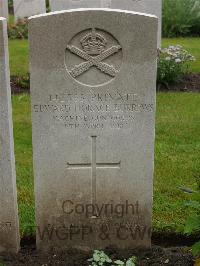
x=93 y=87
x=4 y=8
x=145 y=6
x=9 y=230
x=26 y=8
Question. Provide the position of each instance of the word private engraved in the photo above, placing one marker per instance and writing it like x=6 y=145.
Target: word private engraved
x=94 y=47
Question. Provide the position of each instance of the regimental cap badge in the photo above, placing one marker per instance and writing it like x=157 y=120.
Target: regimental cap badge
x=95 y=49
x=93 y=43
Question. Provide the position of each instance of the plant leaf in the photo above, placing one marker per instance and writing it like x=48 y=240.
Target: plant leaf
x=192 y=225
x=193 y=204
x=96 y=257
x=196 y=249
x=119 y=262
x=108 y=260
x=130 y=262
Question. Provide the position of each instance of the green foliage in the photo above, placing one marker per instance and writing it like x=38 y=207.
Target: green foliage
x=193 y=225
x=99 y=258
x=10 y=5
x=196 y=248
x=193 y=222
x=181 y=18
x=170 y=72
x=18 y=30
x=23 y=82
x=173 y=64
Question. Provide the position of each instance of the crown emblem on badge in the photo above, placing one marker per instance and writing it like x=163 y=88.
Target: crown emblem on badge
x=93 y=43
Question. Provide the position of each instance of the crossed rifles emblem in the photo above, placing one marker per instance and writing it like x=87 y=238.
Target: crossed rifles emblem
x=93 y=53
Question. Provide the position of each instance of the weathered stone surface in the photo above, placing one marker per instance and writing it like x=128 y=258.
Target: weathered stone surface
x=93 y=86
x=9 y=231
x=4 y=8
x=26 y=8
x=145 y=6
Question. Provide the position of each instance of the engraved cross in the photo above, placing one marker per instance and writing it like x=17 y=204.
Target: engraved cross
x=94 y=166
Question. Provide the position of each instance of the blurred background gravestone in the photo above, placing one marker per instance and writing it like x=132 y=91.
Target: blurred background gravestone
x=4 y=8
x=26 y=8
x=9 y=228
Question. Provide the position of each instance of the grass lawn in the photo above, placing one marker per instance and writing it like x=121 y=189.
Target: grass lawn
x=18 y=50
x=19 y=53
x=177 y=158
x=23 y=154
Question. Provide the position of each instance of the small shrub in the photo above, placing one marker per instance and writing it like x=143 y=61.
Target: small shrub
x=181 y=18
x=18 y=30
x=99 y=258
x=173 y=64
